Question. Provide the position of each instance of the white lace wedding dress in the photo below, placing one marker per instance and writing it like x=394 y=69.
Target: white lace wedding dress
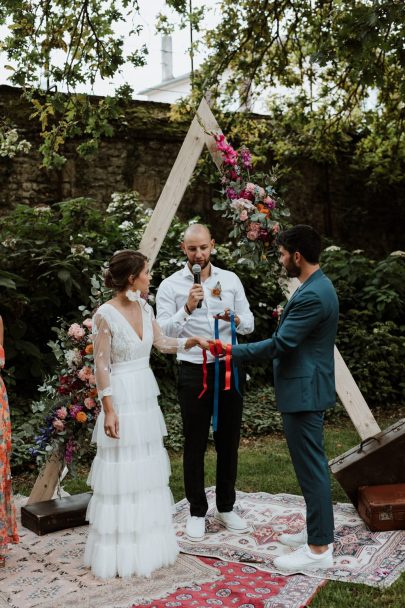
x=130 y=512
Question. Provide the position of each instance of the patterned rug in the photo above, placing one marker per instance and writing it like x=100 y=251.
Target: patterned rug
x=372 y=558
x=243 y=586
x=47 y=572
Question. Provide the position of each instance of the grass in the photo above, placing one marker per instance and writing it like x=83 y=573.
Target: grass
x=264 y=464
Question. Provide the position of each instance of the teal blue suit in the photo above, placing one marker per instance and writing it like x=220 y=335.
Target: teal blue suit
x=302 y=350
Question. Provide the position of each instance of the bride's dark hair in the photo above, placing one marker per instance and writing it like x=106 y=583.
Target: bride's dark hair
x=122 y=265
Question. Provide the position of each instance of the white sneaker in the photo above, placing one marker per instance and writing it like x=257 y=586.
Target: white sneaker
x=294 y=540
x=195 y=528
x=232 y=522
x=303 y=559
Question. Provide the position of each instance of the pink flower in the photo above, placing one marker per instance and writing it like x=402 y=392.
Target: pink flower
x=253 y=231
x=61 y=413
x=246 y=157
x=269 y=202
x=251 y=187
x=89 y=403
x=88 y=323
x=231 y=193
x=243 y=216
x=92 y=379
x=85 y=373
x=74 y=410
x=58 y=425
x=75 y=331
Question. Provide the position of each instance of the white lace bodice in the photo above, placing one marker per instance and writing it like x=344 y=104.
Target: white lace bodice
x=115 y=341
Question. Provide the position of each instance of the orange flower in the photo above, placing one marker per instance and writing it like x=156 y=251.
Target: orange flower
x=263 y=209
x=89 y=349
x=92 y=392
x=81 y=417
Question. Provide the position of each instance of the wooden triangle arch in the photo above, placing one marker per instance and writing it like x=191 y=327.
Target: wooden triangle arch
x=198 y=135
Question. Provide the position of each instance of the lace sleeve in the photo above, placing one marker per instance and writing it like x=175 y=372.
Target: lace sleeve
x=102 y=355
x=165 y=344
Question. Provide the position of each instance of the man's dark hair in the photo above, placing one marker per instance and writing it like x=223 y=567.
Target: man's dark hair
x=304 y=239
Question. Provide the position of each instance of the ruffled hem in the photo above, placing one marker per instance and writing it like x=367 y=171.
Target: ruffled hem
x=124 y=556
x=131 y=513
x=135 y=428
x=131 y=476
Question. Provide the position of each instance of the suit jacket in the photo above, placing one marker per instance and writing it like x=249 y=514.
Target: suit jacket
x=302 y=348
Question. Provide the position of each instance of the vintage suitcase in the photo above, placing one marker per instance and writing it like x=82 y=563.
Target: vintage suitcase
x=382 y=507
x=57 y=514
x=375 y=461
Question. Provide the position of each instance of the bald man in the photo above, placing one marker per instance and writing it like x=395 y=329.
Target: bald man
x=220 y=292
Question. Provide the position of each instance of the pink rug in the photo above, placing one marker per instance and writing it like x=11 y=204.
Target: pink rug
x=372 y=558
x=243 y=586
x=47 y=572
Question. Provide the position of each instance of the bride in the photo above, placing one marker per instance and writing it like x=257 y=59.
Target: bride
x=130 y=512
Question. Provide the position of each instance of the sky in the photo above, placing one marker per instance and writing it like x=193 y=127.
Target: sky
x=149 y=75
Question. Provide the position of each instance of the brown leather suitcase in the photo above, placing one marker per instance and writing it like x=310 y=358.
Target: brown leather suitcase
x=57 y=514
x=379 y=460
x=383 y=507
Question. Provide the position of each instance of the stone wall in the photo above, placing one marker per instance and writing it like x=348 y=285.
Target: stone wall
x=334 y=199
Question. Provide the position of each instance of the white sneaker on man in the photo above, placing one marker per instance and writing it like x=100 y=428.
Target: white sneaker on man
x=304 y=559
x=294 y=540
x=232 y=522
x=195 y=528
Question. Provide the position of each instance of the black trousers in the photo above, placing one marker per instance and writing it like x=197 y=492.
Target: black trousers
x=196 y=415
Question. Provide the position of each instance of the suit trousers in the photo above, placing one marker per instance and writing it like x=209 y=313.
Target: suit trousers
x=304 y=434
x=196 y=416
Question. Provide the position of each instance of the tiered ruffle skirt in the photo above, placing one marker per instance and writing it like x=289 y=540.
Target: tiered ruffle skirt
x=130 y=512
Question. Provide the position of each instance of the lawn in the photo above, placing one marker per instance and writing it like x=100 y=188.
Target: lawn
x=264 y=465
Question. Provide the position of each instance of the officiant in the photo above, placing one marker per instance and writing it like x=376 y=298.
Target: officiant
x=187 y=302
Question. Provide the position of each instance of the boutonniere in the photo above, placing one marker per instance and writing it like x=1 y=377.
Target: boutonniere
x=216 y=291
x=277 y=312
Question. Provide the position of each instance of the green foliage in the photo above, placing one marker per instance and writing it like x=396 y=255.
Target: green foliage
x=69 y=44
x=48 y=255
x=371 y=334
x=339 y=66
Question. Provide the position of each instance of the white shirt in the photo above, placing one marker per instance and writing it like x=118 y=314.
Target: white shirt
x=174 y=321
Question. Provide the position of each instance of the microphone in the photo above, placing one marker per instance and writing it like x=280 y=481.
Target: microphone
x=196 y=270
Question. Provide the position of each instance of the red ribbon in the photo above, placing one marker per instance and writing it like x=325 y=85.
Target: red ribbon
x=216 y=351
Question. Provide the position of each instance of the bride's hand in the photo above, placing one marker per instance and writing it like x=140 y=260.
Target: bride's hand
x=111 y=425
x=203 y=343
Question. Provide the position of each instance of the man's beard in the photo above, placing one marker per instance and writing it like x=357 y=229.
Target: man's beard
x=292 y=270
x=203 y=264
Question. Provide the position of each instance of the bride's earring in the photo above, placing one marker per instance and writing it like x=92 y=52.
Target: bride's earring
x=133 y=296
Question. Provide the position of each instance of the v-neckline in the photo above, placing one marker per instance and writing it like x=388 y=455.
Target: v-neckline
x=124 y=317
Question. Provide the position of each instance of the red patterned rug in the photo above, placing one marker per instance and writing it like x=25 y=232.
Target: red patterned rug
x=360 y=556
x=243 y=586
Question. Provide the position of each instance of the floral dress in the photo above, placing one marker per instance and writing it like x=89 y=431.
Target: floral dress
x=8 y=525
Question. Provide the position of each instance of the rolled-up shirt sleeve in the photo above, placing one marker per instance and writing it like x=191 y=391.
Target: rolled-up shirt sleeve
x=170 y=320
x=101 y=335
x=242 y=310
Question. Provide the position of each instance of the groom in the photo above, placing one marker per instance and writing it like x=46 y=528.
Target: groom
x=302 y=350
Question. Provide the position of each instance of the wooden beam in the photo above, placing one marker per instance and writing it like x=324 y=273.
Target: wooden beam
x=353 y=401
x=47 y=479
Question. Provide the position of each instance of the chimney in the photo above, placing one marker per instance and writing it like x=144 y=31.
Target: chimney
x=167 y=58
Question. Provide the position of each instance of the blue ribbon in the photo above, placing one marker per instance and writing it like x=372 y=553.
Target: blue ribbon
x=234 y=368
x=216 y=381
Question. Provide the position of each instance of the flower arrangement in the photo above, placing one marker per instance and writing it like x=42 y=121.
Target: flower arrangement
x=71 y=395
x=256 y=210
